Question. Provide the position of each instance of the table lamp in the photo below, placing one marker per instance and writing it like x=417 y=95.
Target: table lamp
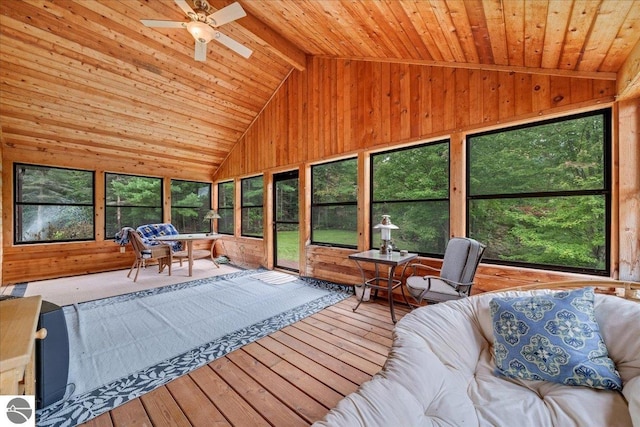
x=385 y=227
x=211 y=215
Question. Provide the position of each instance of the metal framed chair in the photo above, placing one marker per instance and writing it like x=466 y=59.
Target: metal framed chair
x=455 y=278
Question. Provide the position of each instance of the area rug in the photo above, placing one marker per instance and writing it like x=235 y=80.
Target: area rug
x=124 y=346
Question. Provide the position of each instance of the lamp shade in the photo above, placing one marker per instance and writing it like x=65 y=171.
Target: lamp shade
x=385 y=227
x=212 y=214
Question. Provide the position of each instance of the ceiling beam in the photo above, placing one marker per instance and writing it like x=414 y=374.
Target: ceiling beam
x=597 y=75
x=629 y=76
x=277 y=44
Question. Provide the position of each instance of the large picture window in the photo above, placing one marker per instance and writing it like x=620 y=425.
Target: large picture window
x=539 y=195
x=53 y=204
x=131 y=201
x=334 y=203
x=252 y=190
x=190 y=202
x=226 y=192
x=412 y=186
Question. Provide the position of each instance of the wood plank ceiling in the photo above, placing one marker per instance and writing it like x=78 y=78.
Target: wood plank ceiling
x=86 y=77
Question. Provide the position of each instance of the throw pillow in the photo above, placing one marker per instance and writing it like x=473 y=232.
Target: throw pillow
x=553 y=337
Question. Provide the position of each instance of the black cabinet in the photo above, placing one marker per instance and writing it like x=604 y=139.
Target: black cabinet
x=52 y=356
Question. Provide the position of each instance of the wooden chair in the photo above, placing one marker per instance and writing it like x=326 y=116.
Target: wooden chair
x=162 y=253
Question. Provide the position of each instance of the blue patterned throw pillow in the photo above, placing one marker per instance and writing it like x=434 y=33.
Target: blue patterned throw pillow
x=553 y=337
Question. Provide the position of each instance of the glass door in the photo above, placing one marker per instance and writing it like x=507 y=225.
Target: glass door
x=286 y=227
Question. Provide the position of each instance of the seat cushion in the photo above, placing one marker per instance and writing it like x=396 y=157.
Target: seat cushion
x=438 y=291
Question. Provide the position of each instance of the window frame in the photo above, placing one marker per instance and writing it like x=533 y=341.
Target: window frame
x=245 y=207
x=207 y=227
x=17 y=225
x=373 y=202
x=315 y=205
x=222 y=209
x=106 y=205
x=606 y=191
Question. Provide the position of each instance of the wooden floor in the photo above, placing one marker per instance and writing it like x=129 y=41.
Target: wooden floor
x=289 y=378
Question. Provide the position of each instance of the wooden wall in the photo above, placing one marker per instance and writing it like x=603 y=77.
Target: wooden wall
x=629 y=188
x=340 y=107
x=337 y=108
x=24 y=263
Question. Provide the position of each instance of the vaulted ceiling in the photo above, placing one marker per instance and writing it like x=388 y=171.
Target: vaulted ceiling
x=95 y=79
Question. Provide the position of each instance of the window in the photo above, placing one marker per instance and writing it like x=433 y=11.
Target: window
x=334 y=203
x=252 y=190
x=190 y=201
x=539 y=195
x=53 y=204
x=412 y=186
x=131 y=201
x=225 y=207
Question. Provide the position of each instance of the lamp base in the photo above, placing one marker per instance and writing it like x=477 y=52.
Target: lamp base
x=386 y=248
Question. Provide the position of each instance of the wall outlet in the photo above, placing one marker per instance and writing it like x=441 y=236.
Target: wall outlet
x=122 y=249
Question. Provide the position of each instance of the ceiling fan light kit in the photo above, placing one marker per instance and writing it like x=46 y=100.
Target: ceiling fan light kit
x=201 y=31
x=202 y=25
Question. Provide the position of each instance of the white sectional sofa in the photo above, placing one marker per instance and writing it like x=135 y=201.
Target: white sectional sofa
x=440 y=372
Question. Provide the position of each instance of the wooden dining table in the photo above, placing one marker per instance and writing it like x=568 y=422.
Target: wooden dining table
x=190 y=254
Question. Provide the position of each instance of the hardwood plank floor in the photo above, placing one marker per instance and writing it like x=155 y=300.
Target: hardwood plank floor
x=289 y=378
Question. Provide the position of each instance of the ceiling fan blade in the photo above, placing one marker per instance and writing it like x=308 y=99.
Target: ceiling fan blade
x=226 y=14
x=240 y=49
x=201 y=51
x=162 y=24
x=186 y=9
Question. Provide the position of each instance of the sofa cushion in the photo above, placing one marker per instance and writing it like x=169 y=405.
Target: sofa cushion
x=631 y=392
x=552 y=337
x=150 y=231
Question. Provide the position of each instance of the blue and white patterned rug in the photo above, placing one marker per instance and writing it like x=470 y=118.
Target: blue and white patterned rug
x=183 y=327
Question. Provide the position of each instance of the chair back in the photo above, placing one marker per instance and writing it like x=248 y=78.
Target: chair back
x=137 y=243
x=461 y=259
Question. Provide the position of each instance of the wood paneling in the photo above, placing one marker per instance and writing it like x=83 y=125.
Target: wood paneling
x=86 y=85
x=629 y=190
x=244 y=252
x=456 y=96
x=100 y=85
x=448 y=102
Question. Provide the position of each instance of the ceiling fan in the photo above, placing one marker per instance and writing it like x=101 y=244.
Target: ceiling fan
x=203 y=26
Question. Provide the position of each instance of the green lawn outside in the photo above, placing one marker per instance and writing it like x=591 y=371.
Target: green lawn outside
x=288 y=246
x=288 y=241
x=338 y=237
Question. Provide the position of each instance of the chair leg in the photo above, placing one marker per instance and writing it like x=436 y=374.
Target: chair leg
x=164 y=262
x=405 y=297
x=213 y=245
x=137 y=270
x=132 y=265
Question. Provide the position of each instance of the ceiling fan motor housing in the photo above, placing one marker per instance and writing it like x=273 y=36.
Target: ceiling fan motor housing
x=203 y=6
